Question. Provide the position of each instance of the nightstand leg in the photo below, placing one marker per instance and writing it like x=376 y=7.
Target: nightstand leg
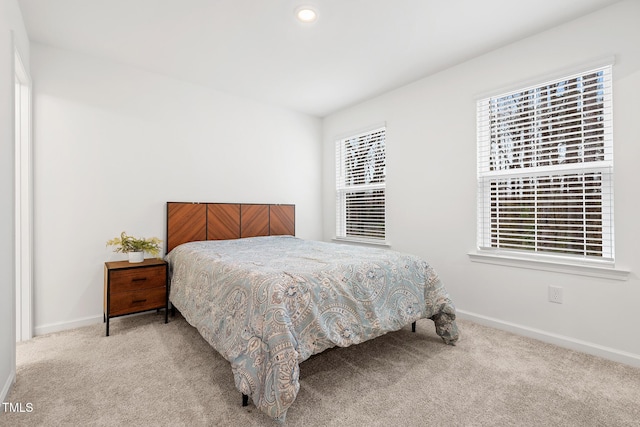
x=107 y=326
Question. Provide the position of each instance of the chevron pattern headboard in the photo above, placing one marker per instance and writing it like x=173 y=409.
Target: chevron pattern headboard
x=189 y=222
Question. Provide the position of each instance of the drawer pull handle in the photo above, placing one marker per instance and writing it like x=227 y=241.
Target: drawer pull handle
x=138 y=301
x=139 y=279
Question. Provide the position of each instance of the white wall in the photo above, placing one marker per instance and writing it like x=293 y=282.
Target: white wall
x=113 y=144
x=12 y=33
x=431 y=155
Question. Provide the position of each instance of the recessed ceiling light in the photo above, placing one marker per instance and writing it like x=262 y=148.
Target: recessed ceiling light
x=306 y=14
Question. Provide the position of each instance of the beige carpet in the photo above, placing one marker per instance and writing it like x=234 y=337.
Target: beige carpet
x=148 y=373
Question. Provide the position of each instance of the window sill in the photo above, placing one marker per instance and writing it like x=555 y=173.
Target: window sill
x=361 y=241
x=602 y=270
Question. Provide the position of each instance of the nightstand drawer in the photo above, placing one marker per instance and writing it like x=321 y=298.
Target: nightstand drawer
x=137 y=278
x=139 y=300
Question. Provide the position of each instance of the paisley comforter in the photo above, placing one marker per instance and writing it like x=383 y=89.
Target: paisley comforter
x=268 y=303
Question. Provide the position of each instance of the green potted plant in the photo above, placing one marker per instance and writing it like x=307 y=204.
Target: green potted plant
x=135 y=247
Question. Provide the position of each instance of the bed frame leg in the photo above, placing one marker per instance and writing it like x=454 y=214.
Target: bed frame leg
x=245 y=400
x=413 y=327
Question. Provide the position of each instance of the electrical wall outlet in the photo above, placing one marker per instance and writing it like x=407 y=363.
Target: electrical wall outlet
x=555 y=294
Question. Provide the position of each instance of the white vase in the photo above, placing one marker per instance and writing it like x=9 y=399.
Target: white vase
x=136 y=256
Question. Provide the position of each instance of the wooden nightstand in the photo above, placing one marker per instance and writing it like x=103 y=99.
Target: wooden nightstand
x=135 y=287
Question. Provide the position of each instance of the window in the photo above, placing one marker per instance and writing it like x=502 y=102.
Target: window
x=545 y=169
x=360 y=187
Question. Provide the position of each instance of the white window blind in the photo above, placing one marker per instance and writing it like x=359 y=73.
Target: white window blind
x=360 y=187
x=545 y=168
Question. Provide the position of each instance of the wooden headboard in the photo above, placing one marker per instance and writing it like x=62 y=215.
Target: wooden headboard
x=189 y=222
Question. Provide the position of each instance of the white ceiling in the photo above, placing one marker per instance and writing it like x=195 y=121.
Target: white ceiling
x=355 y=50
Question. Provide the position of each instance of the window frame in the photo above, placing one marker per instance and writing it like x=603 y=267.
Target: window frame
x=343 y=189
x=592 y=266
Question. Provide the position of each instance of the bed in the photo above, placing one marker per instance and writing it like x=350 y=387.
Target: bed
x=267 y=301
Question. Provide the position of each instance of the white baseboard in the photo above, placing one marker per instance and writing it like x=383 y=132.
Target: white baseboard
x=559 y=340
x=7 y=387
x=63 y=326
